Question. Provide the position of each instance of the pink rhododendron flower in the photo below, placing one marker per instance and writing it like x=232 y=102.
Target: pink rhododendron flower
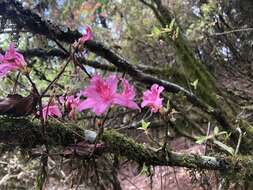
x=100 y=94
x=70 y=103
x=151 y=98
x=126 y=98
x=6 y=68
x=87 y=35
x=11 y=61
x=51 y=110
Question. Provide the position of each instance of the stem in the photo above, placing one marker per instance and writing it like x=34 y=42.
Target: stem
x=57 y=77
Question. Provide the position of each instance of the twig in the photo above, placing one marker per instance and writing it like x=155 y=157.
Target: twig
x=15 y=84
x=81 y=66
x=232 y=31
x=100 y=132
x=57 y=77
x=207 y=134
x=239 y=140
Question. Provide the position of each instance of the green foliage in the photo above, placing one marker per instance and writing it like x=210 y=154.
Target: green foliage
x=208 y=8
x=203 y=23
x=225 y=147
x=144 y=126
x=213 y=137
x=145 y=170
x=195 y=84
x=171 y=30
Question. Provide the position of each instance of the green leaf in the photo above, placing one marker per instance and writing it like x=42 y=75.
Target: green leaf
x=202 y=139
x=168 y=105
x=195 y=83
x=216 y=131
x=172 y=23
x=156 y=32
x=145 y=170
x=224 y=147
x=144 y=125
x=222 y=133
x=177 y=32
x=227 y=135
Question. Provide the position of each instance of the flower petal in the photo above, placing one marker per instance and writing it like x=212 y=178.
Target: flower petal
x=87 y=35
x=86 y=104
x=101 y=108
x=5 y=68
x=151 y=98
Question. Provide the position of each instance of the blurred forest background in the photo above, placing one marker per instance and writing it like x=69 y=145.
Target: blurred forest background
x=203 y=47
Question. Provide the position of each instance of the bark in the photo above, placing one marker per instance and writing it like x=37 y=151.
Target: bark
x=54 y=52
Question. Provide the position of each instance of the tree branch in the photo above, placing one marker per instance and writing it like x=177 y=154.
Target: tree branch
x=54 y=52
x=26 y=134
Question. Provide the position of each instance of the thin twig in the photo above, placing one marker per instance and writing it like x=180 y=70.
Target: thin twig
x=57 y=77
x=239 y=140
x=232 y=31
x=15 y=84
x=207 y=134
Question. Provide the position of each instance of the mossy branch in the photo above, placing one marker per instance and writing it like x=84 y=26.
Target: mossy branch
x=26 y=134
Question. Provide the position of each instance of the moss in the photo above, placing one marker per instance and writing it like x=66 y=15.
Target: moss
x=193 y=70
x=123 y=145
x=29 y=134
x=241 y=169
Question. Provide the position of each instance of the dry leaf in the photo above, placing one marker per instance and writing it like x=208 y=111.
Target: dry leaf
x=16 y=106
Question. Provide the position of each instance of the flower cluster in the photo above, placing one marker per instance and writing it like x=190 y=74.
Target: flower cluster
x=102 y=94
x=99 y=96
x=11 y=61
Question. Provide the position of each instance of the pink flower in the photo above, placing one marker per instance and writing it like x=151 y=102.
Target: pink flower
x=127 y=97
x=100 y=94
x=151 y=98
x=87 y=35
x=51 y=110
x=12 y=60
x=6 y=68
x=70 y=103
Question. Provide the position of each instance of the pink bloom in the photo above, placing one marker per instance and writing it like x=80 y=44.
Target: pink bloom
x=12 y=60
x=87 y=35
x=127 y=97
x=51 y=110
x=70 y=103
x=151 y=98
x=6 y=68
x=100 y=94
